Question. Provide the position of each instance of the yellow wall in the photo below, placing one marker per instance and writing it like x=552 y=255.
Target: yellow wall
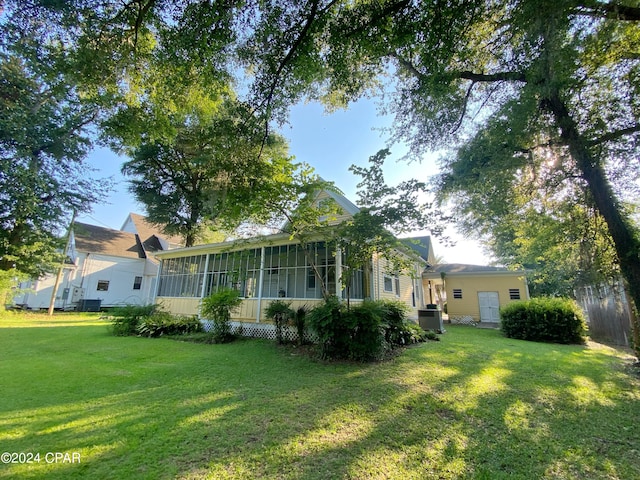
x=470 y=285
x=406 y=287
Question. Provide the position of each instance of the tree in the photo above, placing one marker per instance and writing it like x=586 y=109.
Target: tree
x=205 y=170
x=386 y=211
x=532 y=216
x=43 y=177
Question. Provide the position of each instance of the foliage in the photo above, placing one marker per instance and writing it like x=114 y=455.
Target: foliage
x=126 y=320
x=332 y=326
x=531 y=218
x=9 y=280
x=208 y=170
x=164 y=323
x=300 y=322
x=363 y=332
x=555 y=320
x=218 y=307
x=386 y=211
x=43 y=176
x=281 y=313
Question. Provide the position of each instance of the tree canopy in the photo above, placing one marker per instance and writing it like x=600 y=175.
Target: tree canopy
x=43 y=177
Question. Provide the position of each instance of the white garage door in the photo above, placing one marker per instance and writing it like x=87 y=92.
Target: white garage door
x=489 y=306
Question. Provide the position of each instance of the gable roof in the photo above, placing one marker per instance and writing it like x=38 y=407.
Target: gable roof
x=151 y=235
x=343 y=202
x=422 y=246
x=349 y=209
x=105 y=241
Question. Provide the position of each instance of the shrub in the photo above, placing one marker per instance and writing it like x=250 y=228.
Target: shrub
x=127 y=319
x=395 y=320
x=218 y=307
x=164 y=323
x=364 y=332
x=300 y=320
x=554 y=320
x=332 y=325
x=281 y=313
x=368 y=333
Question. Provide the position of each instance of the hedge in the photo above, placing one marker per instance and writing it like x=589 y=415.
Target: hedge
x=552 y=320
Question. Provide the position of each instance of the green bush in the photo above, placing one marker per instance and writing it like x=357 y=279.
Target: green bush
x=126 y=320
x=364 y=332
x=300 y=320
x=164 y=323
x=333 y=327
x=281 y=313
x=368 y=336
x=553 y=320
x=218 y=307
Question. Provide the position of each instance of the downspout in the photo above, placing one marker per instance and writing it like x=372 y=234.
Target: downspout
x=339 y=286
x=261 y=281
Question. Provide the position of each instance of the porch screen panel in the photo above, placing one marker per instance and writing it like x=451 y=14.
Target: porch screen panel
x=181 y=277
x=238 y=270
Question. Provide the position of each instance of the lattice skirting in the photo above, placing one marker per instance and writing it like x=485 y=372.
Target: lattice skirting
x=463 y=320
x=263 y=330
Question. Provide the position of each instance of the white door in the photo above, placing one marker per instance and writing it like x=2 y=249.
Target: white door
x=489 y=306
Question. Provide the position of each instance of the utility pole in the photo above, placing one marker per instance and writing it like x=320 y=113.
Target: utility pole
x=61 y=269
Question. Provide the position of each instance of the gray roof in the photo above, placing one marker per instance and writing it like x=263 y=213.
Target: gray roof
x=105 y=241
x=422 y=246
x=463 y=268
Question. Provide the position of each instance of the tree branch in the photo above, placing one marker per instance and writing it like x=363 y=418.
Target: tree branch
x=491 y=77
x=607 y=137
x=611 y=10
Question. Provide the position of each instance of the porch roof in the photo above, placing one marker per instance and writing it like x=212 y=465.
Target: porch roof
x=234 y=245
x=454 y=269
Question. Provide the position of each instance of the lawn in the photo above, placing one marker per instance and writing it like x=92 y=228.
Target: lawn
x=474 y=405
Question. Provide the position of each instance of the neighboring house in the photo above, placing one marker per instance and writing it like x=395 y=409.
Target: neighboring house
x=473 y=293
x=276 y=267
x=109 y=268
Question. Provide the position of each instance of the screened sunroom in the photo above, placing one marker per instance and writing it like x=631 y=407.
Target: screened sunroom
x=282 y=271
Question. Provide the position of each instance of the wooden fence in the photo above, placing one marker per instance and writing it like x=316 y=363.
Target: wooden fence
x=608 y=313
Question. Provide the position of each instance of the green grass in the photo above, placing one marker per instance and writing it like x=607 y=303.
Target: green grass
x=474 y=405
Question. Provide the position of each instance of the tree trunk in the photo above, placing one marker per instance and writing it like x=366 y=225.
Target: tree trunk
x=625 y=236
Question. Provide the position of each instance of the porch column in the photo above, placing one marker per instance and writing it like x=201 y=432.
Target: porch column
x=260 y=282
x=204 y=276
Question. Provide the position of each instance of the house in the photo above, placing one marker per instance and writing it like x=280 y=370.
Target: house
x=473 y=293
x=278 y=267
x=109 y=268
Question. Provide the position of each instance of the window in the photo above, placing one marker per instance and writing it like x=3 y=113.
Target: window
x=388 y=284
x=137 y=283
x=397 y=284
x=514 y=294
x=311 y=279
x=457 y=293
x=103 y=285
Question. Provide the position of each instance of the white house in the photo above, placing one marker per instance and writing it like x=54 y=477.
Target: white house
x=110 y=268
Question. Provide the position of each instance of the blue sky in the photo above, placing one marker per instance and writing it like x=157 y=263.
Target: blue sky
x=330 y=143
